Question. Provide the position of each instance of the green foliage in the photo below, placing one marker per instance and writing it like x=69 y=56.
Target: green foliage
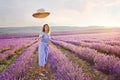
x=10 y=59
x=5 y=49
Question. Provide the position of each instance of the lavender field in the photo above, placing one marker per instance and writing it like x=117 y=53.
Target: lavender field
x=73 y=55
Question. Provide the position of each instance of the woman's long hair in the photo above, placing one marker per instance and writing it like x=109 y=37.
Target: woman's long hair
x=43 y=29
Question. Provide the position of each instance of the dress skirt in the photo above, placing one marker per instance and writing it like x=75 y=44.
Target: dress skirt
x=42 y=53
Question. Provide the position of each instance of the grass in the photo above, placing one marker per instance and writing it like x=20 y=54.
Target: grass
x=5 y=63
x=5 y=49
x=10 y=59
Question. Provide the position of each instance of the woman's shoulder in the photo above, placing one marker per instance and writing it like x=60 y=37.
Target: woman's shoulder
x=41 y=33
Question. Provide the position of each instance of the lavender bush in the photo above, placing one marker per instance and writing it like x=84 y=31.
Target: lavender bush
x=100 y=61
x=13 y=43
x=63 y=68
x=17 y=70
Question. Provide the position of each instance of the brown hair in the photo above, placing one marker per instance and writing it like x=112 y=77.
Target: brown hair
x=43 y=29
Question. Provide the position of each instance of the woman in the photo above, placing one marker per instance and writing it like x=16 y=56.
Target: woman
x=43 y=48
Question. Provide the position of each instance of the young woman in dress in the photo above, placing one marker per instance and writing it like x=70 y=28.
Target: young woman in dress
x=43 y=48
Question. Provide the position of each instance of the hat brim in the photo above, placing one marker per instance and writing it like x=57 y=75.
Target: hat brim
x=41 y=15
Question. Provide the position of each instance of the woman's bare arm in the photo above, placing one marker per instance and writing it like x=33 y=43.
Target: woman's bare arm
x=38 y=38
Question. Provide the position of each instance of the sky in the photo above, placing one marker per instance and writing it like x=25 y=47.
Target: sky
x=18 y=13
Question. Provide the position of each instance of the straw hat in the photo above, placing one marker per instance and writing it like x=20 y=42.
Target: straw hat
x=40 y=13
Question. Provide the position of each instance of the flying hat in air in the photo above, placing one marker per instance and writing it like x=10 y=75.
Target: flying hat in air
x=41 y=13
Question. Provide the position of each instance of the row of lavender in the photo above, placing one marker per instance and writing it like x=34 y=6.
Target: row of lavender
x=107 y=38
x=114 y=50
x=24 y=35
x=12 y=36
x=14 y=44
x=103 y=62
x=17 y=70
x=63 y=68
x=103 y=45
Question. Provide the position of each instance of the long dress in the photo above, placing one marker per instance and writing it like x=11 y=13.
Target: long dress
x=43 y=49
